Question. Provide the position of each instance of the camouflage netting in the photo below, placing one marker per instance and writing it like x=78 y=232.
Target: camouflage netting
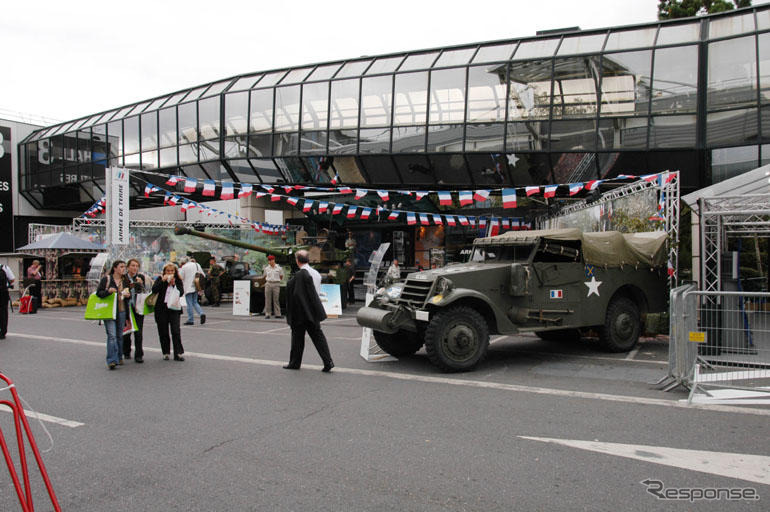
x=607 y=248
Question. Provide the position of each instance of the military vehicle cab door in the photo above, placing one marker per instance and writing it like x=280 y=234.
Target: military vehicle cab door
x=560 y=271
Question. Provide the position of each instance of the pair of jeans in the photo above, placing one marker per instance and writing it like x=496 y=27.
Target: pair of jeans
x=192 y=305
x=114 y=330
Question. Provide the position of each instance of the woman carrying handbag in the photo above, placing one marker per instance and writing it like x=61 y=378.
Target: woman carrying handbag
x=168 y=309
x=115 y=282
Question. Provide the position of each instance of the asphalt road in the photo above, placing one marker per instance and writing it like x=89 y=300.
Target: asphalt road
x=229 y=429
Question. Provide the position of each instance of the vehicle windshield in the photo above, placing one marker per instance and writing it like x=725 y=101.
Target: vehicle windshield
x=512 y=253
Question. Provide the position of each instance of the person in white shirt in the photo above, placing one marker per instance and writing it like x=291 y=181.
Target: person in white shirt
x=273 y=275
x=394 y=272
x=5 y=298
x=187 y=273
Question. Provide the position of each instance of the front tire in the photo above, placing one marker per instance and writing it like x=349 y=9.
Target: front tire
x=457 y=339
x=622 y=325
x=399 y=344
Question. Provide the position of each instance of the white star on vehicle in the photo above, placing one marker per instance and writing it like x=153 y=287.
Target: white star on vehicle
x=512 y=159
x=593 y=286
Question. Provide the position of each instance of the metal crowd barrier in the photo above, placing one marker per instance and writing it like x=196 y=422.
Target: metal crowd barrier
x=720 y=345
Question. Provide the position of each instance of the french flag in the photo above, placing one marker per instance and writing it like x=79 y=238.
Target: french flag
x=352 y=212
x=292 y=200
x=173 y=201
x=383 y=195
x=472 y=221
x=288 y=188
x=506 y=223
x=365 y=212
x=166 y=197
x=419 y=194
x=275 y=198
x=531 y=190
x=246 y=190
x=228 y=190
x=256 y=227
x=574 y=188
x=190 y=184
x=307 y=205
x=336 y=179
x=257 y=195
x=337 y=209
x=450 y=220
x=670 y=268
x=650 y=177
x=322 y=206
x=483 y=223
x=437 y=220
x=550 y=191
x=345 y=190
x=268 y=188
x=481 y=195
x=670 y=176
x=148 y=189
x=509 y=198
x=185 y=205
x=411 y=218
x=424 y=220
x=394 y=215
x=591 y=185
x=465 y=197
x=208 y=187
x=360 y=192
x=463 y=220
x=494 y=227
x=445 y=198
x=173 y=180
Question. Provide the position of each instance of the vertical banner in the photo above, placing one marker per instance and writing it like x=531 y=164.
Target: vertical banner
x=120 y=206
x=331 y=300
x=6 y=193
x=241 y=297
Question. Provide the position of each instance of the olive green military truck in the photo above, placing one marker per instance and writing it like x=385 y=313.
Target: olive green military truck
x=557 y=284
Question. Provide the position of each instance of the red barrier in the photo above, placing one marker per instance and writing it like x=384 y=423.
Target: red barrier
x=20 y=420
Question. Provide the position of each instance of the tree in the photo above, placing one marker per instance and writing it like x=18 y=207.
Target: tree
x=671 y=9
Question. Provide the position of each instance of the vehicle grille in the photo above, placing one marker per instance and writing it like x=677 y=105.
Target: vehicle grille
x=415 y=292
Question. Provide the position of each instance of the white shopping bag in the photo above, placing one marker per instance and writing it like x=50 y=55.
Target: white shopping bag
x=173 y=299
x=140 y=298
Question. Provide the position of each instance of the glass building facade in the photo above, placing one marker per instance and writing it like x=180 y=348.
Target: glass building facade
x=690 y=95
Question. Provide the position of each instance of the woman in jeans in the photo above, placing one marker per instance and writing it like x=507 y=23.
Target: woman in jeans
x=168 y=309
x=115 y=282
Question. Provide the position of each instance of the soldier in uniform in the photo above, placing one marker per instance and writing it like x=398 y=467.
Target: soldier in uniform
x=214 y=272
x=273 y=275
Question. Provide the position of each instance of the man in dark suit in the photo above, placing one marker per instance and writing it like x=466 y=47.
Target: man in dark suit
x=305 y=313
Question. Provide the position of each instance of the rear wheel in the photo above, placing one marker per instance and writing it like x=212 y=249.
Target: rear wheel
x=399 y=344
x=457 y=339
x=622 y=325
x=560 y=335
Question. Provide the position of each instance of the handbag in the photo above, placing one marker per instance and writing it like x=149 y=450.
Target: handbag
x=199 y=280
x=151 y=300
x=173 y=301
x=102 y=308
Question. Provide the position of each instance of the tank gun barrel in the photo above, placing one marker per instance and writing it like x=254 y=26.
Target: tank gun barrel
x=283 y=256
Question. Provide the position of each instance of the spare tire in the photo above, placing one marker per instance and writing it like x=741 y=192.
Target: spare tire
x=399 y=344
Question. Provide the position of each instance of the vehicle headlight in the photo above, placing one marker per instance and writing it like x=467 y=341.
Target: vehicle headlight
x=443 y=286
x=394 y=292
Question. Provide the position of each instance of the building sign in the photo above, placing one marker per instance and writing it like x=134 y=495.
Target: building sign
x=6 y=195
x=120 y=197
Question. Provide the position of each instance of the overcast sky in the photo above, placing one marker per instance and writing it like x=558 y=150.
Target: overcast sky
x=66 y=59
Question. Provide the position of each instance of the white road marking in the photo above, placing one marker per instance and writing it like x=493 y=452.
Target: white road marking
x=32 y=415
x=752 y=468
x=564 y=393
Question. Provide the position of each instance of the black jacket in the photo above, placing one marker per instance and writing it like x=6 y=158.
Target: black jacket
x=160 y=286
x=304 y=305
x=108 y=282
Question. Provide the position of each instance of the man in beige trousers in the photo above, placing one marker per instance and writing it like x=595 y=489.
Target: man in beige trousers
x=273 y=275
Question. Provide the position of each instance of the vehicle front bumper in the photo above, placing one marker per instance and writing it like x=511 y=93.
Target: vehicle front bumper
x=389 y=319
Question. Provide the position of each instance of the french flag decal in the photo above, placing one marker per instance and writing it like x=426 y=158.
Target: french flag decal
x=574 y=188
x=557 y=294
x=419 y=194
x=550 y=190
x=445 y=198
x=360 y=193
x=393 y=215
x=190 y=184
x=173 y=180
x=307 y=205
x=365 y=213
x=292 y=200
x=450 y=220
x=437 y=219
x=383 y=195
x=352 y=212
x=481 y=195
x=463 y=220
x=424 y=220
x=411 y=219
x=337 y=209
x=275 y=198
x=322 y=206
x=591 y=185
x=531 y=190
x=465 y=197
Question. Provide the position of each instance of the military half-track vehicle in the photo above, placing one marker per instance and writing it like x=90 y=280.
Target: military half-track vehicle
x=556 y=283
